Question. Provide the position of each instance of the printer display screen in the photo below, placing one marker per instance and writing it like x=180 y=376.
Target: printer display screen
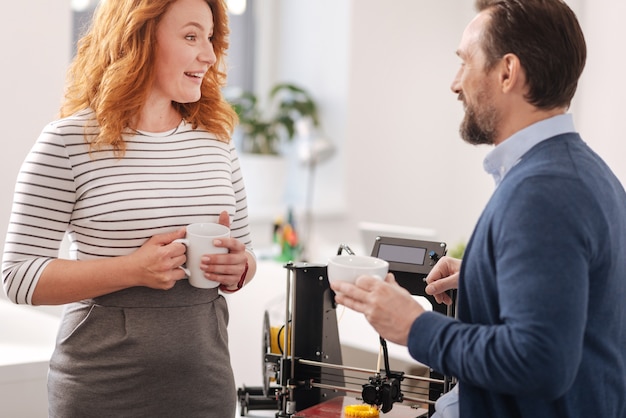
x=402 y=254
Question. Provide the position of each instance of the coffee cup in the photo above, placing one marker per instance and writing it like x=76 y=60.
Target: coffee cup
x=199 y=242
x=348 y=267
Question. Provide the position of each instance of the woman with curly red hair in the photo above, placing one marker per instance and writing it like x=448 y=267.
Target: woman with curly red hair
x=142 y=149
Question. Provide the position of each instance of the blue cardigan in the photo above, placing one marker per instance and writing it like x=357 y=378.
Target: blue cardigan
x=541 y=329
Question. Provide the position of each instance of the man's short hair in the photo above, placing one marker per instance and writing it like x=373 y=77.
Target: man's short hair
x=546 y=37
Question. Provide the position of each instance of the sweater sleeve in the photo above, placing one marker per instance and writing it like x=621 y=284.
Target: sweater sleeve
x=532 y=270
x=42 y=205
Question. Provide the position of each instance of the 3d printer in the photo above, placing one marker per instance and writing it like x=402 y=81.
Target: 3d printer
x=302 y=357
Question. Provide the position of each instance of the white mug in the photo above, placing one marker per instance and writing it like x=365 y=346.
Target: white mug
x=348 y=267
x=199 y=242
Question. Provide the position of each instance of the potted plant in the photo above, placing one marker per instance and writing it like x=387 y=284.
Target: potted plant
x=263 y=127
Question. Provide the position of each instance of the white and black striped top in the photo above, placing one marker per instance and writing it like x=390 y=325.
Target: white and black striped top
x=109 y=206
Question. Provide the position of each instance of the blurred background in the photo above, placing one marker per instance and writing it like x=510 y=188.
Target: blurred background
x=379 y=72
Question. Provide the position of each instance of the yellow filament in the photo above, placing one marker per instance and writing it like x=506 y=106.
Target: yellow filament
x=361 y=411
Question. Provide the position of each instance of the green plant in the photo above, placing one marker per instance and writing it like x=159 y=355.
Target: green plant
x=458 y=250
x=265 y=126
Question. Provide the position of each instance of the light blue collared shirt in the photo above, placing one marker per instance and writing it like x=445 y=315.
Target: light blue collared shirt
x=447 y=406
x=510 y=151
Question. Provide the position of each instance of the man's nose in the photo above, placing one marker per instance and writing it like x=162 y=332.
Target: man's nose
x=456 y=84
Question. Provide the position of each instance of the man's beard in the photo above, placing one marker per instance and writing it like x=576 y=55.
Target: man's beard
x=479 y=124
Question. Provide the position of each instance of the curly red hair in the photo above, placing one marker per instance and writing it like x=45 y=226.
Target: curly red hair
x=112 y=71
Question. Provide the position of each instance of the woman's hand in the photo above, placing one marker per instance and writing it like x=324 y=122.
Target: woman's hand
x=158 y=260
x=155 y=265
x=228 y=268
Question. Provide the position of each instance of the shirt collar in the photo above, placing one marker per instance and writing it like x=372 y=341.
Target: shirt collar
x=510 y=151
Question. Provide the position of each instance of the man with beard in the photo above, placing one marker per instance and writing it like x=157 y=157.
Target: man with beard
x=541 y=327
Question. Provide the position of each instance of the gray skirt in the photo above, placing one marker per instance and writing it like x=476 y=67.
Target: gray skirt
x=144 y=353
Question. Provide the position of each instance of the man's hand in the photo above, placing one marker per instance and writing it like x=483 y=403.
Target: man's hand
x=443 y=277
x=387 y=306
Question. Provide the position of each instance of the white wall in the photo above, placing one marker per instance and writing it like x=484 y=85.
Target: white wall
x=403 y=120
x=381 y=72
x=306 y=42
x=401 y=160
x=600 y=106
x=35 y=43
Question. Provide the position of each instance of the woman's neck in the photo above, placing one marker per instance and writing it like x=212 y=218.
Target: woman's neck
x=153 y=119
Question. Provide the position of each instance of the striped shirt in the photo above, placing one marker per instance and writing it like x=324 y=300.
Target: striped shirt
x=110 y=205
